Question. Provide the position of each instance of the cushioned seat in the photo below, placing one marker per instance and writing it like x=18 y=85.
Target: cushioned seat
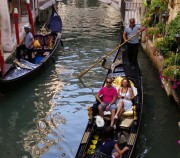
x=126 y=123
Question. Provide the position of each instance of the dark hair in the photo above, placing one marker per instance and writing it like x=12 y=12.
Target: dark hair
x=109 y=79
x=125 y=78
x=108 y=132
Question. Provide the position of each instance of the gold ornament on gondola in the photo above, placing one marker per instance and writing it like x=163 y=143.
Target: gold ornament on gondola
x=89 y=112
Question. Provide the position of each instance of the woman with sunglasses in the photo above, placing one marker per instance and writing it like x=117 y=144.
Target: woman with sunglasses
x=125 y=96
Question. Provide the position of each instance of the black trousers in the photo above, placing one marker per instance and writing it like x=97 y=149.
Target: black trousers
x=21 y=52
x=132 y=52
x=29 y=53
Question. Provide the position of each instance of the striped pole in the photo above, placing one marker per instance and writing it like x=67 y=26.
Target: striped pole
x=16 y=23
x=30 y=16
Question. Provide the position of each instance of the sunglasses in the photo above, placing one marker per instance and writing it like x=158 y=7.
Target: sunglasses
x=108 y=82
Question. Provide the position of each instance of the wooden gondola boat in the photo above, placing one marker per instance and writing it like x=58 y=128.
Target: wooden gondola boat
x=128 y=124
x=48 y=39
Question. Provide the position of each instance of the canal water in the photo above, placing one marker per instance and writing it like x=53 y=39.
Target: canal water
x=46 y=117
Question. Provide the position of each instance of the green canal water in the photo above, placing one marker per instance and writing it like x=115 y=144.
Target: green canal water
x=47 y=117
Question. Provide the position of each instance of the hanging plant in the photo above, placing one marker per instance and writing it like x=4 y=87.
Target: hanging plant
x=163 y=4
x=171 y=72
x=164 y=45
x=153 y=31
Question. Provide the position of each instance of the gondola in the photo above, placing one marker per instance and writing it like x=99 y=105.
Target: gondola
x=128 y=124
x=48 y=40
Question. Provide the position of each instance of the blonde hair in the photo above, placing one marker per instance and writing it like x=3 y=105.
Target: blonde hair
x=128 y=82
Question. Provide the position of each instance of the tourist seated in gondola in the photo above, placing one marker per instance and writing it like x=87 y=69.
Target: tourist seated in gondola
x=109 y=146
x=125 y=97
x=107 y=96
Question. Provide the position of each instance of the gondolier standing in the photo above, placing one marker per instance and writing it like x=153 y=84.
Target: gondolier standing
x=132 y=44
x=28 y=41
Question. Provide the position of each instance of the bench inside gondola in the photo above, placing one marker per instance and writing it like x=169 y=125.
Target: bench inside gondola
x=46 y=42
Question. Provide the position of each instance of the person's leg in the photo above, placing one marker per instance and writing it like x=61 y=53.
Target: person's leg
x=29 y=52
x=112 y=117
x=135 y=54
x=130 y=52
x=101 y=109
x=20 y=52
x=113 y=111
x=119 y=109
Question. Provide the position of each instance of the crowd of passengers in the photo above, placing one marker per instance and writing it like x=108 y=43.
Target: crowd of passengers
x=116 y=101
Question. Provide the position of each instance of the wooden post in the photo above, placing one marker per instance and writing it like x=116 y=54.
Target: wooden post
x=30 y=16
x=16 y=23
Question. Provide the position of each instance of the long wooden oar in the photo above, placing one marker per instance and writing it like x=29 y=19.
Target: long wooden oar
x=111 y=52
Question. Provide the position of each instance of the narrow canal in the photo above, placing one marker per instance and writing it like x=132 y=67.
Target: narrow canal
x=47 y=117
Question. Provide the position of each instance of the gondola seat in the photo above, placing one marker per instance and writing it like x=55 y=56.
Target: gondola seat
x=40 y=39
x=46 y=42
x=49 y=41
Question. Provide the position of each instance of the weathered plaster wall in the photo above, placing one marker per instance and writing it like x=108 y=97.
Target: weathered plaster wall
x=174 y=8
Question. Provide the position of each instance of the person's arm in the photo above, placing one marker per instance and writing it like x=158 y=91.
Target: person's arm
x=119 y=150
x=98 y=96
x=141 y=28
x=32 y=41
x=125 y=36
x=131 y=93
x=119 y=93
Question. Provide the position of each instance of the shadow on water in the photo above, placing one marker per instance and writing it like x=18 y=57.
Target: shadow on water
x=159 y=131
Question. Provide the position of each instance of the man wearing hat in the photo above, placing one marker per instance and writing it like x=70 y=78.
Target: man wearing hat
x=28 y=41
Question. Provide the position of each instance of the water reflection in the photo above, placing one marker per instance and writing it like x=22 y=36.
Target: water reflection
x=61 y=120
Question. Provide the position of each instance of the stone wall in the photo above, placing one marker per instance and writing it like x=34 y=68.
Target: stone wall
x=174 y=8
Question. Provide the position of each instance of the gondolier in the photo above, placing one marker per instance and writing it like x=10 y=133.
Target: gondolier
x=133 y=44
x=29 y=40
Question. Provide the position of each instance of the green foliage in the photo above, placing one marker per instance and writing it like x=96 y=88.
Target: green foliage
x=160 y=26
x=174 y=26
x=164 y=44
x=153 y=30
x=163 y=4
x=173 y=59
x=172 y=71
